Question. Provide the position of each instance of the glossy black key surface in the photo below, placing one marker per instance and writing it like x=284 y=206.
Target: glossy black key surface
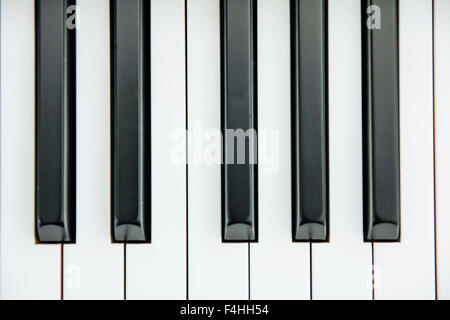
x=309 y=119
x=55 y=123
x=381 y=120
x=239 y=105
x=130 y=120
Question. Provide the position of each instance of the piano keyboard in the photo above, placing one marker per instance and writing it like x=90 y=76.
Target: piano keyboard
x=224 y=149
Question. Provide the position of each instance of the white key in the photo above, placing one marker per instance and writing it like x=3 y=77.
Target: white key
x=27 y=270
x=158 y=270
x=405 y=270
x=280 y=269
x=93 y=267
x=442 y=85
x=216 y=270
x=341 y=269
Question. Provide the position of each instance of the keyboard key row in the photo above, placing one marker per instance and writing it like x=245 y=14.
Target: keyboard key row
x=187 y=257
x=131 y=121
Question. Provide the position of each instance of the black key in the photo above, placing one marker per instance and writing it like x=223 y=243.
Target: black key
x=381 y=120
x=130 y=116
x=309 y=122
x=55 y=123
x=239 y=121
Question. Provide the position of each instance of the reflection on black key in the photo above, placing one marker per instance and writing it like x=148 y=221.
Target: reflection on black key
x=130 y=114
x=55 y=123
x=309 y=120
x=381 y=120
x=239 y=125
